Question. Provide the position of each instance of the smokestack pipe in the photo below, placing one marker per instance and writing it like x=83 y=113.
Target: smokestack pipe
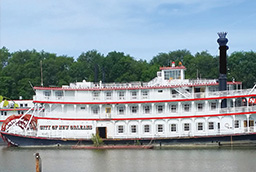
x=222 y=41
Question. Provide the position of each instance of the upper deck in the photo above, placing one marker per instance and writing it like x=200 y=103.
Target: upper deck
x=169 y=84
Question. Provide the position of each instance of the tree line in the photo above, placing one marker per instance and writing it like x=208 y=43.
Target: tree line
x=19 y=69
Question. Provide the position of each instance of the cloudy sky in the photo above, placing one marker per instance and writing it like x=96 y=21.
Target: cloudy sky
x=140 y=28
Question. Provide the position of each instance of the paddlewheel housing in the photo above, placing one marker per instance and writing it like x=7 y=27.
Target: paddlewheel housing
x=19 y=123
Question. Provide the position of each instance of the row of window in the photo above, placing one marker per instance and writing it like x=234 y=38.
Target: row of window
x=108 y=94
x=65 y=127
x=200 y=126
x=4 y=113
x=147 y=108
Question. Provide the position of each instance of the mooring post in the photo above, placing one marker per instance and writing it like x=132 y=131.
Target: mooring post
x=38 y=163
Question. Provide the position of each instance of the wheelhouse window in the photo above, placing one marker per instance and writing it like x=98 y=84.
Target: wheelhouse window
x=169 y=75
x=146 y=128
x=120 y=129
x=173 y=127
x=133 y=128
x=200 y=126
x=211 y=125
x=186 y=126
x=160 y=128
x=147 y=109
x=121 y=95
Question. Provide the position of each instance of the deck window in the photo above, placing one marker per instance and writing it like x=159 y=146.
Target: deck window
x=59 y=93
x=121 y=110
x=213 y=106
x=160 y=128
x=186 y=126
x=200 y=126
x=134 y=109
x=133 y=128
x=120 y=129
x=160 y=108
x=146 y=109
x=96 y=95
x=200 y=106
x=144 y=94
x=108 y=110
x=146 y=128
x=211 y=125
x=47 y=93
x=108 y=95
x=121 y=95
x=134 y=94
x=95 y=110
x=173 y=108
x=173 y=127
x=186 y=107
x=236 y=124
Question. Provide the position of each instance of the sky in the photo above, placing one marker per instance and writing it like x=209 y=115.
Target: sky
x=139 y=28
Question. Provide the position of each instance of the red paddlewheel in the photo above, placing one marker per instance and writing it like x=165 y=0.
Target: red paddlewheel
x=22 y=123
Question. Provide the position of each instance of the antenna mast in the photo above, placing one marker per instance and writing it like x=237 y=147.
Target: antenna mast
x=41 y=66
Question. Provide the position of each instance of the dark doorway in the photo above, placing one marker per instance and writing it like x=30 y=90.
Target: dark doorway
x=102 y=131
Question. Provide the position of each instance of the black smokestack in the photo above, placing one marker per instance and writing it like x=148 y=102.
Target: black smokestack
x=223 y=64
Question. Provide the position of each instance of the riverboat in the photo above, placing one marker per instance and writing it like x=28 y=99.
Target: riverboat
x=168 y=110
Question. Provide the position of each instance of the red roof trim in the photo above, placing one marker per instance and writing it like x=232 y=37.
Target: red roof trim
x=131 y=88
x=148 y=118
x=150 y=101
x=170 y=67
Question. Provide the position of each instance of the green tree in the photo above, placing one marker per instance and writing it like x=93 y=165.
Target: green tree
x=242 y=67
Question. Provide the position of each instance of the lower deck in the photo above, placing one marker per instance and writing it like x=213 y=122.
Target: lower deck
x=148 y=128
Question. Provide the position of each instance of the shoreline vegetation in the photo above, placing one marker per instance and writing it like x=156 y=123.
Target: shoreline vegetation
x=20 y=70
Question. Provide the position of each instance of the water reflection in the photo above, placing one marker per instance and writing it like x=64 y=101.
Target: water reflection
x=66 y=160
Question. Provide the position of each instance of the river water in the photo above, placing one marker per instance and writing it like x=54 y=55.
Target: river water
x=163 y=160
